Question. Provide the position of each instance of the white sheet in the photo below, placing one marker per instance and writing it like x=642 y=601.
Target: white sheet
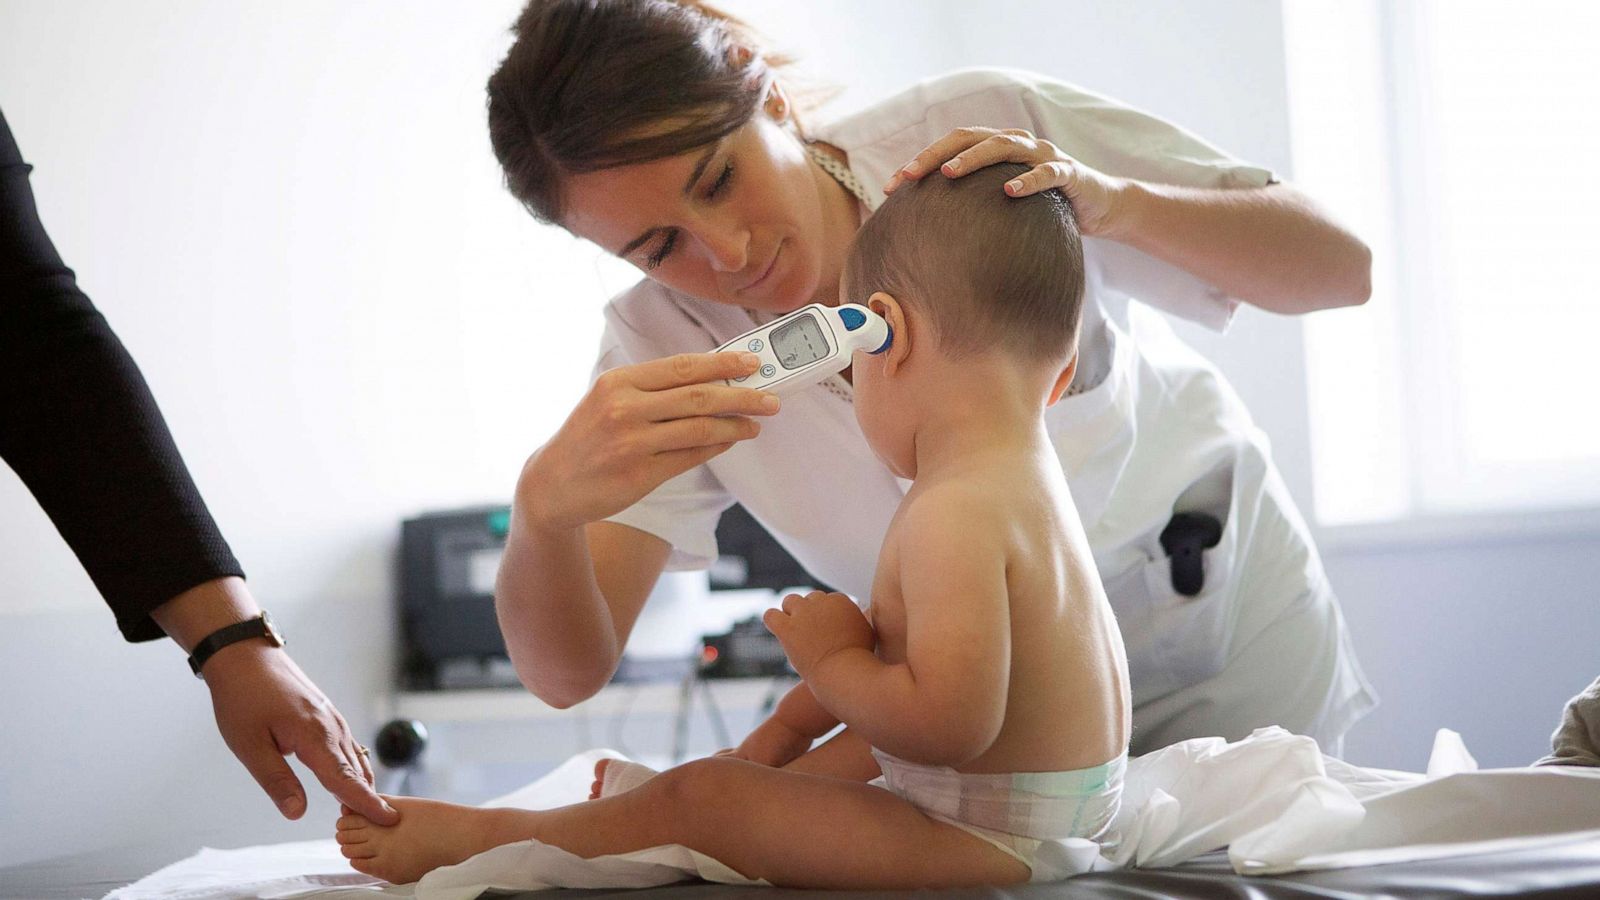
x=272 y=871
x=1273 y=799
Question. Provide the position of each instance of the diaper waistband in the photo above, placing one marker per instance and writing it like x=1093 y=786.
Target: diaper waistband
x=1039 y=805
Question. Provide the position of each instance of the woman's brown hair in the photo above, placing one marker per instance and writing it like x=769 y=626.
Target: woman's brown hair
x=592 y=84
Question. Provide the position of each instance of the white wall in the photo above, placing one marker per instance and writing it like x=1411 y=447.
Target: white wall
x=291 y=216
x=1486 y=628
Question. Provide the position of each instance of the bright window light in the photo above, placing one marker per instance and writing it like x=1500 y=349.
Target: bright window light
x=1459 y=139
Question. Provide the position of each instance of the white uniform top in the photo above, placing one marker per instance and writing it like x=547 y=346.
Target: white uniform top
x=1263 y=643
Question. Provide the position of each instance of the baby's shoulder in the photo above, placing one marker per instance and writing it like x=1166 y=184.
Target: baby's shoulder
x=954 y=510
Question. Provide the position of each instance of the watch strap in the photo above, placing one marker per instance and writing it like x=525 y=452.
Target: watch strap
x=258 y=626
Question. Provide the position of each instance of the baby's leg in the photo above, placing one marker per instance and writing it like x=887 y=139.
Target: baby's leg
x=791 y=829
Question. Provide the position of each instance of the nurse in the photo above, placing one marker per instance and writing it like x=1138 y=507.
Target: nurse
x=661 y=132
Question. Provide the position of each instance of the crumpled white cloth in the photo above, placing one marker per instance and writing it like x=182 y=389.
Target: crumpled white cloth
x=1272 y=799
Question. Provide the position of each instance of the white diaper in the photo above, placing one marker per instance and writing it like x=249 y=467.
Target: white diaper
x=1017 y=812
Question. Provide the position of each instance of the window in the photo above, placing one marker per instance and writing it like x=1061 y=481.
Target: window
x=1461 y=140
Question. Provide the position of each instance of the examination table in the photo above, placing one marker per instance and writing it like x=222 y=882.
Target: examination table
x=1339 y=831
x=1557 y=870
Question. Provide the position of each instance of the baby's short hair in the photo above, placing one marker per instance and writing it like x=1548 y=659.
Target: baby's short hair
x=986 y=269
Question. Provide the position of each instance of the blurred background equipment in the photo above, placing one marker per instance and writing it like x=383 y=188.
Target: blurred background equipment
x=449 y=634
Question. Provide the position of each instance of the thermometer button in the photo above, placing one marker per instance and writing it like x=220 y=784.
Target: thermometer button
x=767 y=371
x=742 y=378
x=756 y=345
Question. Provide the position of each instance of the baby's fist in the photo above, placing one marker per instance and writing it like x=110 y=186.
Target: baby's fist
x=815 y=626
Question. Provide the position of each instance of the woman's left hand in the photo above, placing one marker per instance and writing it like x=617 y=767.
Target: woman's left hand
x=1093 y=194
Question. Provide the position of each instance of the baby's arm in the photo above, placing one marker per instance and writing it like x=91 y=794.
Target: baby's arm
x=797 y=721
x=945 y=704
x=846 y=755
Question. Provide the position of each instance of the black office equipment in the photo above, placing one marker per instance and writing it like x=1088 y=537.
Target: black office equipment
x=749 y=557
x=399 y=747
x=448 y=562
x=747 y=650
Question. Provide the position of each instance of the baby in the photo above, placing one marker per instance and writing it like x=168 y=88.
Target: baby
x=989 y=687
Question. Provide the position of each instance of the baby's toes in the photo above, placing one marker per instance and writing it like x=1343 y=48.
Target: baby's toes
x=355 y=840
x=599 y=782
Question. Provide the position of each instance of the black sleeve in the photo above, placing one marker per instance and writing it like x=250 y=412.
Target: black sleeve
x=79 y=426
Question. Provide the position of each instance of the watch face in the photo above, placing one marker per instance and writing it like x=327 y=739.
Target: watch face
x=272 y=630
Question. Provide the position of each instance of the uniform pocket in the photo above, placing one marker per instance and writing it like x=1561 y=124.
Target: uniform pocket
x=1175 y=640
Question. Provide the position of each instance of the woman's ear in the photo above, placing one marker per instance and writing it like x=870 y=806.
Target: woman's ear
x=1064 y=380
x=777 y=105
x=899 y=329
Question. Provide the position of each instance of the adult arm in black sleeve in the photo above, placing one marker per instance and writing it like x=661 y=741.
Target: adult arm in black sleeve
x=79 y=425
x=81 y=429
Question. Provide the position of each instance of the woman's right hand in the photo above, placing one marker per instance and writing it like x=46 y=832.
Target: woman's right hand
x=638 y=426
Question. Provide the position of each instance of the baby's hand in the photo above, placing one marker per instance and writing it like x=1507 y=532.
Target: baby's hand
x=813 y=627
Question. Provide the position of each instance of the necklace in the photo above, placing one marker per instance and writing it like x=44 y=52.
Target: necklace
x=839 y=172
x=847 y=179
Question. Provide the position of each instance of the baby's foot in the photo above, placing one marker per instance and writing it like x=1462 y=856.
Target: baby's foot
x=430 y=834
x=613 y=776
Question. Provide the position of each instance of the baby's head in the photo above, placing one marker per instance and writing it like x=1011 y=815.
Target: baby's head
x=978 y=286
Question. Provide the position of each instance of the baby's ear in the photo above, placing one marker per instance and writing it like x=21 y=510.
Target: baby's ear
x=900 y=332
x=1063 y=380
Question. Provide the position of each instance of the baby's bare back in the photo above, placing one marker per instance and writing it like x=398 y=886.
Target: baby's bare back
x=1066 y=692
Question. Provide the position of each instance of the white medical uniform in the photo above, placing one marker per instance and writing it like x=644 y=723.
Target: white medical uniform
x=1151 y=429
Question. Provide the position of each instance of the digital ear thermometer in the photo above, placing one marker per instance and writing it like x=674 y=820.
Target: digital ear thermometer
x=808 y=345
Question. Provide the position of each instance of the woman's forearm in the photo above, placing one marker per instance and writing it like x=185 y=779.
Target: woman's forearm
x=203 y=609
x=1270 y=247
x=557 y=626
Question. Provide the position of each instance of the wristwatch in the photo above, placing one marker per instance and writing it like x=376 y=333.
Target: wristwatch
x=259 y=627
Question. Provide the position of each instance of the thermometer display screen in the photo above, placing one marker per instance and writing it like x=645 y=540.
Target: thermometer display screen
x=799 y=343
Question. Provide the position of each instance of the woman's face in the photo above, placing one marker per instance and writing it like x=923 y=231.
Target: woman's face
x=742 y=221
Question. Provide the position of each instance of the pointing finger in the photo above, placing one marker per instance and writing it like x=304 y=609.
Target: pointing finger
x=345 y=781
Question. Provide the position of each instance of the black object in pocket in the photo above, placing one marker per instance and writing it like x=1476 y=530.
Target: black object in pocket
x=1185 y=540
